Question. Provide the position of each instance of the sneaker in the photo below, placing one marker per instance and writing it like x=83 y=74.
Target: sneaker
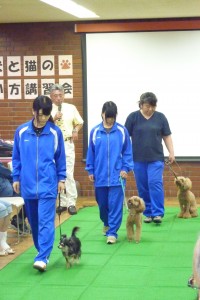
x=105 y=229
x=148 y=220
x=111 y=240
x=157 y=219
x=40 y=265
x=21 y=229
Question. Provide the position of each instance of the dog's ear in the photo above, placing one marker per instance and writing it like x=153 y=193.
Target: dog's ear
x=130 y=199
x=176 y=179
x=188 y=183
x=142 y=205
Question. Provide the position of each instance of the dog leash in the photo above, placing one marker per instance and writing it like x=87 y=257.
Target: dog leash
x=59 y=213
x=167 y=163
x=122 y=181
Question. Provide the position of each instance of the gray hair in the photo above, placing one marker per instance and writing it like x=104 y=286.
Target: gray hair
x=56 y=86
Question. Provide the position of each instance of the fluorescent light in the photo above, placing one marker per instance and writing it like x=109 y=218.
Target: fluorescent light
x=72 y=8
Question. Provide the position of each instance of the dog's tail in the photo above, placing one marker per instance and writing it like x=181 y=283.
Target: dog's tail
x=74 y=230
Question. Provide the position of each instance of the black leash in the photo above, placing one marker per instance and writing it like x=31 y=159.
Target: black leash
x=59 y=213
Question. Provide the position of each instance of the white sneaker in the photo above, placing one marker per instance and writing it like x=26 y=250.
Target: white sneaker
x=111 y=240
x=40 y=265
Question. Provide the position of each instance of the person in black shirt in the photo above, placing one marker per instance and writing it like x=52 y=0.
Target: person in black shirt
x=148 y=128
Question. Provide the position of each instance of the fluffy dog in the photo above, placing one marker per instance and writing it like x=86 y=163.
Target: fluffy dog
x=71 y=248
x=136 y=206
x=186 y=198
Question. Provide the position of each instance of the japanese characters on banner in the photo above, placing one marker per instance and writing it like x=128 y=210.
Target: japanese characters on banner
x=34 y=75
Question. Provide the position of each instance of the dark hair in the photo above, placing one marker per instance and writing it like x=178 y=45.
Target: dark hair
x=44 y=103
x=149 y=98
x=110 y=110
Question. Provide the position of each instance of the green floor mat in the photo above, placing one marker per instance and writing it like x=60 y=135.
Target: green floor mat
x=155 y=269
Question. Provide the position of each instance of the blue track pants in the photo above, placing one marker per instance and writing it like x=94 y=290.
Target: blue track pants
x=149 y=180
x=41 y=217
x=110 y=202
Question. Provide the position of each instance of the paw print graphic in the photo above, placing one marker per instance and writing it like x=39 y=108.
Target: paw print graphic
x=65 y=64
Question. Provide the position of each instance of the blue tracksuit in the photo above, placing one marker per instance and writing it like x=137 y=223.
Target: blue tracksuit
x=38 y=164
x=109 y=152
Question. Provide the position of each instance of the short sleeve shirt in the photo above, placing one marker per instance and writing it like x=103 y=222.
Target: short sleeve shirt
x=71 y=117
x=146 y=135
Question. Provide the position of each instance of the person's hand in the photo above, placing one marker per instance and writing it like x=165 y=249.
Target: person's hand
x=91 y=178
x=61 y=186
x=171 y=159
x=58 y=116
x=16 y=187
x=74 y=135
x=123 y=174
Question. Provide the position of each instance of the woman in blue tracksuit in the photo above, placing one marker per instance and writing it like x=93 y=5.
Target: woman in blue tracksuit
x=109 y=159
x=39 y=173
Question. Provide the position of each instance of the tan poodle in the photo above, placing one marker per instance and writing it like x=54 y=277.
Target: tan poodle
x=136 y=206
x=186 y=198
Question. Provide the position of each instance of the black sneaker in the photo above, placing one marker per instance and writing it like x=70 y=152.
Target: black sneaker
x=60 y=209
x=21 y=229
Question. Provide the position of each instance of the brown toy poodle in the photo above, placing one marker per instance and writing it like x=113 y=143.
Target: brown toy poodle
x=136 y=206
x=186 y=198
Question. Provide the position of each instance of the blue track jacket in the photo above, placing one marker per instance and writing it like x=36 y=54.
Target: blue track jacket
x=108 y=154
x=39 y=162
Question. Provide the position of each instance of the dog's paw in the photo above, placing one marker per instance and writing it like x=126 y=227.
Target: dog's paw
x=180 y=215
x=187 y=216
x=194 y=215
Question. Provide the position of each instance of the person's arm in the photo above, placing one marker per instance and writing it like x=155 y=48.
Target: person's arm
x=169 y=145
x=16 y=187
x=75 y=131
x=60 y=159
x=127 y=156
x=16 y=163
x=90 y=159
x=77 y=124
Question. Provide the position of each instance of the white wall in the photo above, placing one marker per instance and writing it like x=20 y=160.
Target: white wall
x=122 y=66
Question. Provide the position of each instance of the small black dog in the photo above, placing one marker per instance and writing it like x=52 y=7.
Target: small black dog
x=71 y=247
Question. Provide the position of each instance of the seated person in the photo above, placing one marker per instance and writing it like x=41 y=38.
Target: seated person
x=6 y=190
x=5 y=212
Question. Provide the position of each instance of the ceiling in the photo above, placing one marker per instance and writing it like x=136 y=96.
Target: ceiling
x=23 y=11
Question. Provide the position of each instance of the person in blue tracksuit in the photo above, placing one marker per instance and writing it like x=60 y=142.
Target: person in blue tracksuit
x=148 y=128
x=39 y=173
x=109 y=159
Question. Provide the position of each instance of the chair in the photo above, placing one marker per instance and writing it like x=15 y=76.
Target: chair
x=18 y=203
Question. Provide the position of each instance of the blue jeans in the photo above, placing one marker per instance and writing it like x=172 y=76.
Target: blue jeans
x=6 y=189
x=149 y=181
